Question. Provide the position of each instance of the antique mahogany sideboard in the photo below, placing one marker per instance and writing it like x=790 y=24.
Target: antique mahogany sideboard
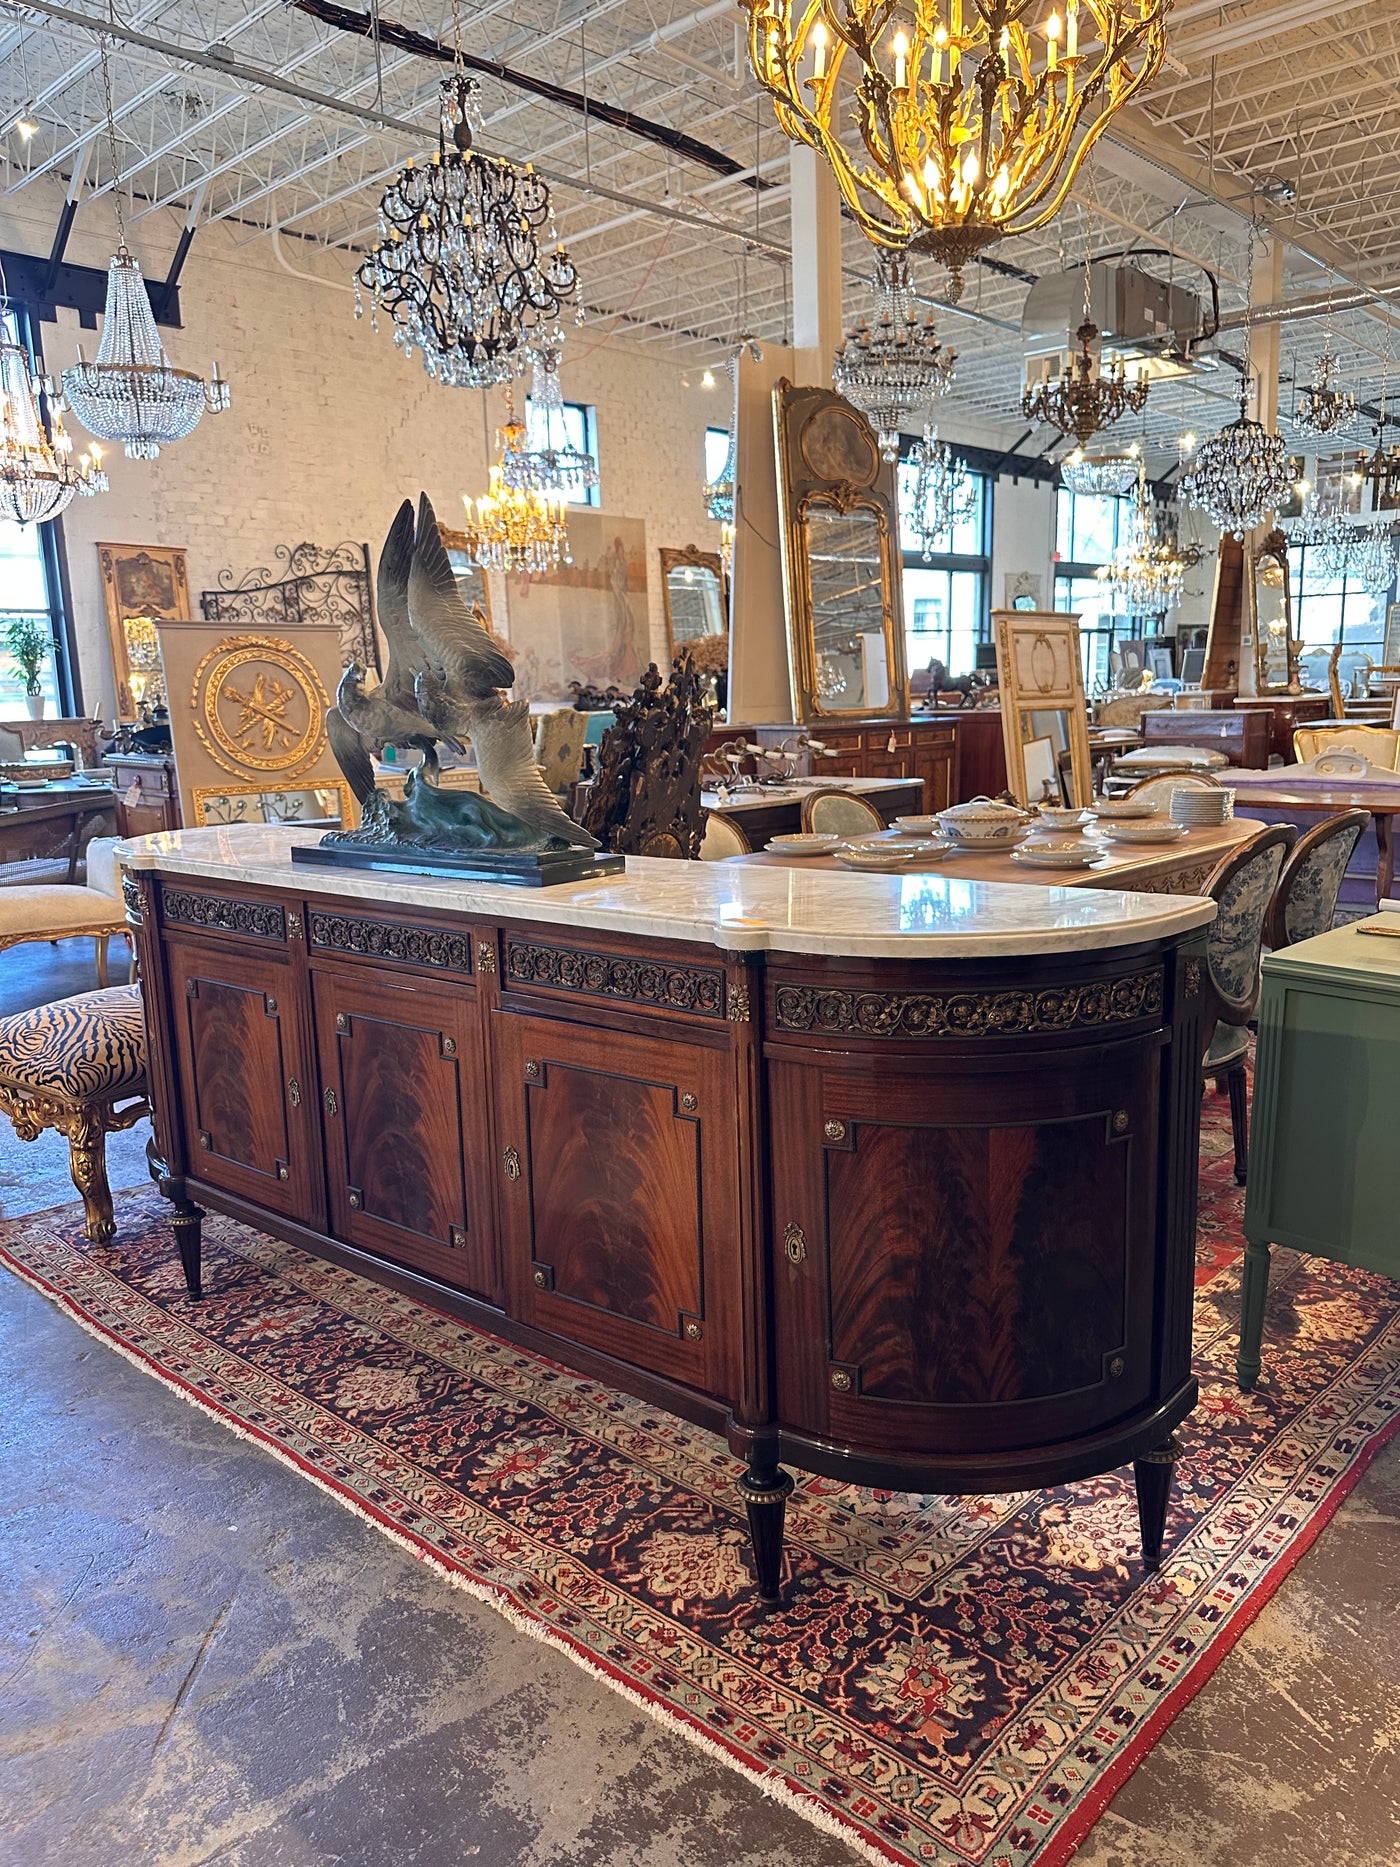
x=893 y=1178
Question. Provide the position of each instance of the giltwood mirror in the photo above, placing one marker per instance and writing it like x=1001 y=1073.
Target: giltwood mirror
x=1044 y=719
x=837 y=505
x=1276 y=649
x=695 y=594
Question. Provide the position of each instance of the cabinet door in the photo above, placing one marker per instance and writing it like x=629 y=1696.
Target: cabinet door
x=977 y=1258
x=620 y=1211
x=244 y=1087
x=403 y=1109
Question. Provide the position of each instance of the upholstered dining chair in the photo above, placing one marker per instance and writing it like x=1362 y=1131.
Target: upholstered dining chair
x=839 y=813
x=722 y=838
x=1379 y=744
x=1306 y=897
x=1242 y=888
x=1158 y=791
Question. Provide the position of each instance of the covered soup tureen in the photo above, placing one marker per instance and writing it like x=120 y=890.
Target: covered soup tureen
x=984 y=820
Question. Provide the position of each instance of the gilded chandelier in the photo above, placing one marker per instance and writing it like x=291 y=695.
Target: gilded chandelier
x=460 y=268
x=952 y=123
x=1321 y=409
x=38 y=474
x=1146 y=573
x=1085 y=399
x=515 y=528
x=892 y=370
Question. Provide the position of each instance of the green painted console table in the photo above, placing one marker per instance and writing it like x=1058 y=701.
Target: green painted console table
x=1324 y=1169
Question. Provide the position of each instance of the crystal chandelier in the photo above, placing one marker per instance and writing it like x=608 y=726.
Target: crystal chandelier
x=1242 y=474
x=132 y=393
x=945 y=492
x=892 y=372
x=1374 y=565
x=1321 y=410
x=1100 y=473
x=1324 y=528
x=38 y=474
x=509 y=529
x=1379 y=467
x=547 y=468
x=961 y=125
x=1146 y=573
x=459 y=269
x=1086 y=399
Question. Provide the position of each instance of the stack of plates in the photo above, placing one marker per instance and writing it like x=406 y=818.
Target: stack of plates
x=1191 y=805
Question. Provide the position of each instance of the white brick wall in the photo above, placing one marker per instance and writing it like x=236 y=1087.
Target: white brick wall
x=330 y=426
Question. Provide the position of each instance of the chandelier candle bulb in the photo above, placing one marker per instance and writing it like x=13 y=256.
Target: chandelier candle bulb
x=1052 y=42
x=820 y=40
x=1071 y=31
x=900 y=46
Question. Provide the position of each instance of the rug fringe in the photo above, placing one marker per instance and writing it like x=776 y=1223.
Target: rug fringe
x=775 y=1786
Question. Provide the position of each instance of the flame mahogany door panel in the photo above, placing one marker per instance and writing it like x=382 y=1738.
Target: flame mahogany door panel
x=404 y=1113
x=970 y=1276
x=619 y=1201
x=245 y=1089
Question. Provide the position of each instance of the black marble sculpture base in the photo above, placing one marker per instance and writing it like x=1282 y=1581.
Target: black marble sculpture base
x=518 y=868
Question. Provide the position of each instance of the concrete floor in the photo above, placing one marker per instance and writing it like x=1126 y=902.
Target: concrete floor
x=204 y=1660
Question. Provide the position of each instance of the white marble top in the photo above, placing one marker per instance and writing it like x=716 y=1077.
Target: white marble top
x=723 y=904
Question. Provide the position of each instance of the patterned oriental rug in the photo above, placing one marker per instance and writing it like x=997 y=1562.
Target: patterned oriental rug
x=961 y=1682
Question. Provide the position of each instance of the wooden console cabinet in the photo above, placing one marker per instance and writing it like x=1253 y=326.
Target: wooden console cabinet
x=925 y=749
x=921 y=1218
x=148 y=798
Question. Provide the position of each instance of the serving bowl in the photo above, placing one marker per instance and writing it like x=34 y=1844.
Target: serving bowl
x=1153 y=830
x=1063 y=817
x=806 y=843
x=985 y=821
x=1121 y=810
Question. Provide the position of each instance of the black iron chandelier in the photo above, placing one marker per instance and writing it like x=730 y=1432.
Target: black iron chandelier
x=469 y=267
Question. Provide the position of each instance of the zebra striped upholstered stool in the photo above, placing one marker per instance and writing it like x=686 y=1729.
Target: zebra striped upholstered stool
x=68 y=1066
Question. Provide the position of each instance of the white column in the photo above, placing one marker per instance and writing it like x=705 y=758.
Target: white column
x=816 y=265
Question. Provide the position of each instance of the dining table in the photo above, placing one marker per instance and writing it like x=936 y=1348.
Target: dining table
x=1285 y=794
x=1181 y=867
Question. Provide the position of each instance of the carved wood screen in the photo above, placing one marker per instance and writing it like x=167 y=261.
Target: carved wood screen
x=317 y=586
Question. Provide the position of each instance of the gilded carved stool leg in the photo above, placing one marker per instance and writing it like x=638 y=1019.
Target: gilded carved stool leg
x=1253 y=1296
x=87 y=1162
x=1153 y=1474
x=766 y=1488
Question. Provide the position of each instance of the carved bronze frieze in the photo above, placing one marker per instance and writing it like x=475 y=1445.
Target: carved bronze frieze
x=695 y=989
x=1052 y=1010
x=134 y=897
x=414 y=946
x=258 y=919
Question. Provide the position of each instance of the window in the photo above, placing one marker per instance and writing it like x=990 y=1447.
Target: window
x=574 y=425
x=945 y=597
x=1328 y=610
x=30 y=586
x=1088 y=528
x=716 y=453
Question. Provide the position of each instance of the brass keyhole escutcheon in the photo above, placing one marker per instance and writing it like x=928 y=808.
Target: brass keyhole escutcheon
x=693 y=1331
x=795 y=1242
x=449 y=1046
x=689 y=1103
x=332 y=1106
x=834 y=1130
x=841 y=1381
x=511 y=1163
x=532 y=1070
x=342 y=1023
x=294 y=1092
x=541 y=1281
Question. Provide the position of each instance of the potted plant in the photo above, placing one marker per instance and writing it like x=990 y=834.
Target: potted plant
x=28 y=644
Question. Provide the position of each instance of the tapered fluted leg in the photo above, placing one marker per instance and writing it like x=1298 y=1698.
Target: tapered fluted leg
x=186 y=1223
x=1152 y=1474
x=1253 y=1297
x=1238 y=1084
x=766 y=1488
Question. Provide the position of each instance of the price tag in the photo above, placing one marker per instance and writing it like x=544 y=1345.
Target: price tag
x=132 y=795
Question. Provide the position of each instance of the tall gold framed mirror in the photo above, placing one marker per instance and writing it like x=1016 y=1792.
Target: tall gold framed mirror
x=840 y=529
x=1276 y=648
x=1044 y=717
x=694 y=593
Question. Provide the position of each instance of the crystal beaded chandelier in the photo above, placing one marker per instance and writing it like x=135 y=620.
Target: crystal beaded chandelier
x=132 y=393
x=1243 y=473
x=1086 y=399
x=546 y=468
x=1147 y=573
x=459 y=269
x=893 y=371
x=945 y=492
x=1324 y=528
x=1379 y=467
x=1100 y=473
x=1321 y=410
x=39 y=477
x=515 y=528
x=959 y=126
x=1374 y=561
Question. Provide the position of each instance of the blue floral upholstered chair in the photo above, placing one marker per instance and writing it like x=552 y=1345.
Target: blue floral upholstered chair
x=79 y=1066
x=1305 y=900
x=1243 y=888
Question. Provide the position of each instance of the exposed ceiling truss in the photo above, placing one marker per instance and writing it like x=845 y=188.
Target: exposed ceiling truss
x=1272 y=111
